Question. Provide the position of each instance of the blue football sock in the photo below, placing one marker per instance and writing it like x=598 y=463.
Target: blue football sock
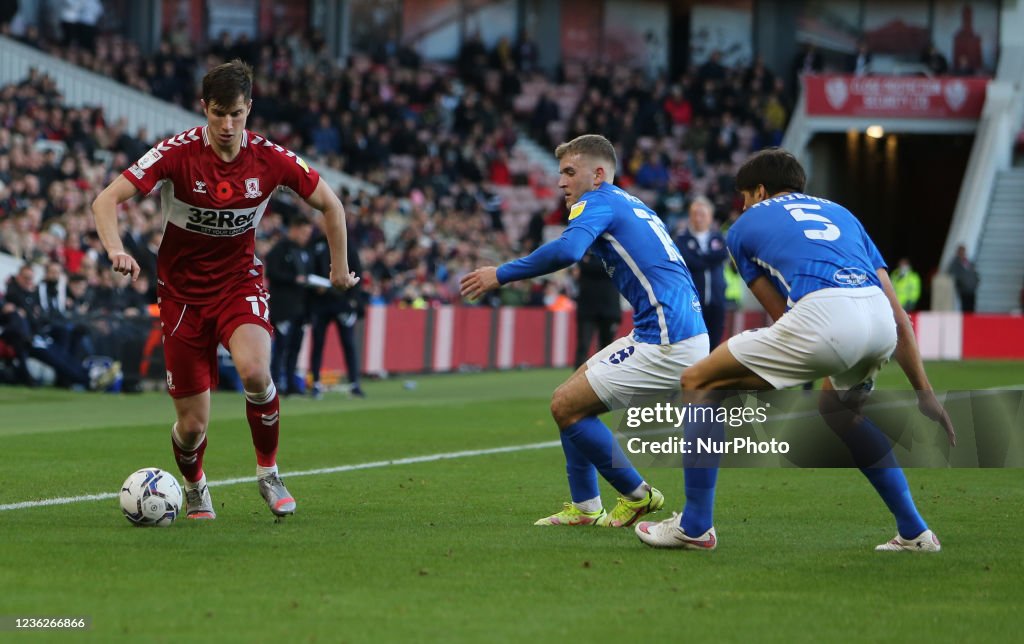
x=701 y=472
x=595 y=442
x=872 y=453
x=582 y=473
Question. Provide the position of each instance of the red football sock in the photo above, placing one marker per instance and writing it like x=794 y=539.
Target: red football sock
x=190 y=461
x=264 y=424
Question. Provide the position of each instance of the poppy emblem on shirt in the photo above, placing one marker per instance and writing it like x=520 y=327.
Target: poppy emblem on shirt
x=224 y=190
x=252 y=188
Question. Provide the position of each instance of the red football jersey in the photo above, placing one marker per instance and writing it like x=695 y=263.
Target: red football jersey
x=211 y=209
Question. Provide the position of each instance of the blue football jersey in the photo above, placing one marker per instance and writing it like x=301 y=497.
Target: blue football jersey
x=803 y=244
x=644 y=263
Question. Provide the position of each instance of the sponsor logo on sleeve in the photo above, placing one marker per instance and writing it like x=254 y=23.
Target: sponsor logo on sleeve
x=137 y=171
x=149 y=158
x=695 y=304
x=577 y=210
x=302 y=164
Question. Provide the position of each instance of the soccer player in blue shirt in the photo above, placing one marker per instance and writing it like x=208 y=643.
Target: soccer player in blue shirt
x=820 y=277
x=668 y=335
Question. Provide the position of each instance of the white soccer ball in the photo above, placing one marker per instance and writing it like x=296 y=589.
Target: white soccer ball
x=151 y=497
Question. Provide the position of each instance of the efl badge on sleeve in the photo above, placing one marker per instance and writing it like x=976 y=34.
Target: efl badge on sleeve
x=577 y=210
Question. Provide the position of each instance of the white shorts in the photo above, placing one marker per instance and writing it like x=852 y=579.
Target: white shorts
x=842 y=334
x=627 y=370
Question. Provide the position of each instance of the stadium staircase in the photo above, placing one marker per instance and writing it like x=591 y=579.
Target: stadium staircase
x=1000 y=261
x=81 y=87
x=993 y=233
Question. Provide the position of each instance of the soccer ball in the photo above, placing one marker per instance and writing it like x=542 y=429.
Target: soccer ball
x=151 y=497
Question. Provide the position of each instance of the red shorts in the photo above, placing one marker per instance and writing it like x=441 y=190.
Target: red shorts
x=192 y=333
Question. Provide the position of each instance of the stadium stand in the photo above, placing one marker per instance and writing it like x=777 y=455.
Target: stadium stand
x=461 y=184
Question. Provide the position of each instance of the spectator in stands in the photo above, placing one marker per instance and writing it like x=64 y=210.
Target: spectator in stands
x=907 y=284
x=525 y=52
x=965 y=279
x=16 y=338
x=69 y=19
x=652 y=173
x=933 y=59
x=287 y=268
x=678 y=109
x=966 y=42
x=964 y=67
x=860 y=62
x=326 y=137
x=807 y=61
x=598 y=307
x=712 y=69
x=69 y=336
x=397 y=125
x=545 y=112
x=89 y=14
x=704 y=251
x=8 y=9
x=22 y=298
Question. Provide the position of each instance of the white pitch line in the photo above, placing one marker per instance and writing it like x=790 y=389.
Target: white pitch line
x=428 y=458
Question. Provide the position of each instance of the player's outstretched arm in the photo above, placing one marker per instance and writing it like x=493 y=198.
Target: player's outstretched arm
x=324 y=200
x=550 y=257
x=104 y=210
x=908 y=356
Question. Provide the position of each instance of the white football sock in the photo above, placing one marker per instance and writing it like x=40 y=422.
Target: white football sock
x=262 y=472
x=260 y=398
x=590 y=505
x=197 y=485
x=640 y=492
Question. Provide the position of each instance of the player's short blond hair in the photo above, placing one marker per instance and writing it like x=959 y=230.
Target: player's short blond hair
x=594 y=146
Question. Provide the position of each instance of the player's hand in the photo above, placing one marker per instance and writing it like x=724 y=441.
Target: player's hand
x=124 y=264
x=343 y=281
x=930 y=406
x=480 y=281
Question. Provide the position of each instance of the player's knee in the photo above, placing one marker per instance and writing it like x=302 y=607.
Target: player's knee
x=191 y=428
x=254 y=377
x=561 y=409
x=836 y=415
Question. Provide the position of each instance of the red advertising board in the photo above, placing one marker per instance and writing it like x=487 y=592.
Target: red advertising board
x=895 y=96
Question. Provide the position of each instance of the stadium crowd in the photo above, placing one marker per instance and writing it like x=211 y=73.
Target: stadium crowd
x=439 y=140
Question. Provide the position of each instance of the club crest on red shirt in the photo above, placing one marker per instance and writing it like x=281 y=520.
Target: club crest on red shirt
x=252 y=188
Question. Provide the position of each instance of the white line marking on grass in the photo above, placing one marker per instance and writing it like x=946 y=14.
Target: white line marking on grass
x=428 y=458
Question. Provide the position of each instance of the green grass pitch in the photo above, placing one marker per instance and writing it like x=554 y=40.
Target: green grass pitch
x=446 y=551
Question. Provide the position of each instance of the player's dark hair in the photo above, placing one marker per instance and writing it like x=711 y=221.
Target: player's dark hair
x=590 y=145
x=775 y=169
x=223 y=84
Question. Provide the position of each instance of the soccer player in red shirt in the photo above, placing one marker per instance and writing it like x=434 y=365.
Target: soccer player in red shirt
x=217 y=181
